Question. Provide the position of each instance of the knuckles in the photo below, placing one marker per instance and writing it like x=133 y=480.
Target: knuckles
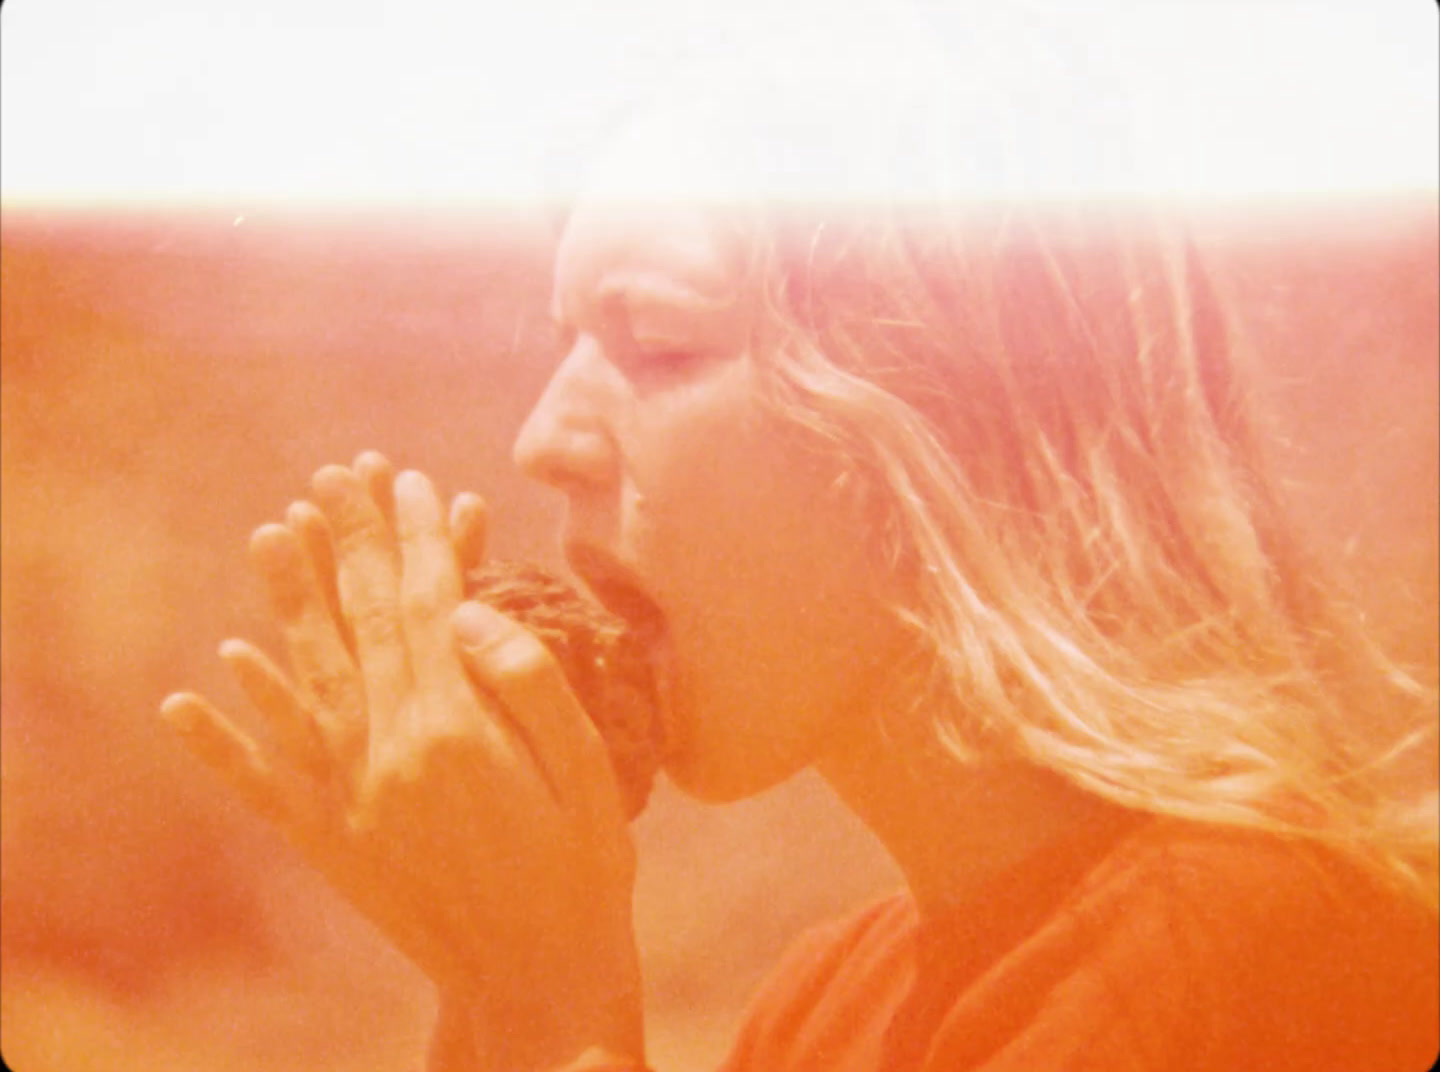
x=377 y=622
x=331 y=690
x=422 y=603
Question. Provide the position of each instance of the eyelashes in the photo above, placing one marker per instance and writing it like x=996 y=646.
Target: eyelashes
x=652 y=362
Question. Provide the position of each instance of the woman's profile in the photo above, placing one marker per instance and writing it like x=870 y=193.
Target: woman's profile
x=944 y=490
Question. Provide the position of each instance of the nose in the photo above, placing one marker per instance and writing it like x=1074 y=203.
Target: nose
x=566 y=441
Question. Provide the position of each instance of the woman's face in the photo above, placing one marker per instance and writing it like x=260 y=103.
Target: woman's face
x=696 y=512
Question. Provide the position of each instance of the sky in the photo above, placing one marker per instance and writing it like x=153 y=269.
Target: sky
x=324 y=101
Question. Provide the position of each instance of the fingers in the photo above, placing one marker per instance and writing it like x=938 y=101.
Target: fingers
x=300 y=813
x=363 y=587
x=384 y=565
x=430 y=586
x=469 y=529
x=367 y=561
x=226 y=750
x=377 y=476
x=297 y=736
x=328 y=681
x=514 y=667
x=309 y=524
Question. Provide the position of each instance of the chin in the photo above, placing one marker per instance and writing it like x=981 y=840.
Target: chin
x=708 y=790
x=709 y=779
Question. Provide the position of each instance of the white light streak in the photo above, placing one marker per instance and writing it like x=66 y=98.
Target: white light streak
x=319 y=101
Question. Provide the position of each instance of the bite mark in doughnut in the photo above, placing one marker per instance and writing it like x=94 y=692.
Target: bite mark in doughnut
x=607 y=666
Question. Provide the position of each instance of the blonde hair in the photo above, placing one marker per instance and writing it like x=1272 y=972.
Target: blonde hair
x=1038 y=412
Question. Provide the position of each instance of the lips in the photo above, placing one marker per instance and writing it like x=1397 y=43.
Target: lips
x=619 y=590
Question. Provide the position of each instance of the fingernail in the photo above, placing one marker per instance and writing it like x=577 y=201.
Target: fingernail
x=411 y=482
x=177 y=711
x=474 y=622
x=332 y=483
x=301 y=513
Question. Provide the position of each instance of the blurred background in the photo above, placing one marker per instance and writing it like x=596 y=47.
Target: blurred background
x=239 y=242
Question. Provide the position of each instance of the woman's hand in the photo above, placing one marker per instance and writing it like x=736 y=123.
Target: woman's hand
x=428 y=756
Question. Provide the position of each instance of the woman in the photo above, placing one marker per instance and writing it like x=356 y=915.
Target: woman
x=963 y=510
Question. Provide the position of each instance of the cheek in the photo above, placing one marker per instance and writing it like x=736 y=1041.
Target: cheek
x=769 y=685
x=780 y=634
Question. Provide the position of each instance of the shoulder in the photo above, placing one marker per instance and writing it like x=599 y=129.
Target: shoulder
x=828 y=1002
x=1230 y=887
x=1185 y=947
x=868 y=947
x=1203 y=948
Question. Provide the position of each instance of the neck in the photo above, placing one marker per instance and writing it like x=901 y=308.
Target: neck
x=953 y=826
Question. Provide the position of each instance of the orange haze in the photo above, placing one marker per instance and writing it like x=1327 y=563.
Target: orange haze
x=170 y=381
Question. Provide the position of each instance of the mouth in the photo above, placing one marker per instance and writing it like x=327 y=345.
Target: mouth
x=616 y=587
x=620 y=591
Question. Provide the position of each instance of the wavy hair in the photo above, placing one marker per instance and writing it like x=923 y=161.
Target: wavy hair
x=1040 y=414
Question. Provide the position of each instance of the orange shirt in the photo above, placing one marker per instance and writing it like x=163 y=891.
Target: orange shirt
x=1172 y=947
